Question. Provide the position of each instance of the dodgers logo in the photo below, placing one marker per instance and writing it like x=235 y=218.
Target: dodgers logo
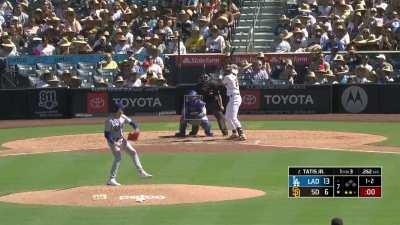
x=354 y=99
x=48 y=99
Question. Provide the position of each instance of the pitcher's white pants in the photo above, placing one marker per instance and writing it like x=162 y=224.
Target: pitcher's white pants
x=116 y=151
x=232 y=109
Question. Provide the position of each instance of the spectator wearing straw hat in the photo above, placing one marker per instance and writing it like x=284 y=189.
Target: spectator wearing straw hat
x=71 y=22
x=364 y=71
x=283 y=44
x=63 y=46
x=382 y=63
x=153 y=67
x=8 y=48
x=119 y=82
x=311 y=78
x=66 y=78
x=245 y=69
x=298 y=42
x=340 y=69
x=53 y=82
x=133 y=79
x=258 y=72
x=43 y=78
x=203 y=22
x=288 y=73
x=122 y=46
x=284 y=24
x=384 y=75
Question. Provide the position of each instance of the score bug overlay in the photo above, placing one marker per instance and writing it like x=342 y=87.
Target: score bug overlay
x=335 y=182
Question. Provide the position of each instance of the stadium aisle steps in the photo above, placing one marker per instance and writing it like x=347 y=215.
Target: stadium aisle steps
x=264 y=37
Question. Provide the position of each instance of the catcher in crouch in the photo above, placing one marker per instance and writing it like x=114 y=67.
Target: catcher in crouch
x=113 y=132
x=194 y=112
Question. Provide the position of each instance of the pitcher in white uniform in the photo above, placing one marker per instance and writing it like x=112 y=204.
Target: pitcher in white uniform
x=230 y=81
x=113 y=132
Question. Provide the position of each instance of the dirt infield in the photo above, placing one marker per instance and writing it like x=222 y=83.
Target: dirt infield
x=169 y=118
x=132 y=195
x=162 y=141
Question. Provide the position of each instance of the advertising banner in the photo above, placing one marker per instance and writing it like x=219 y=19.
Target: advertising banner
x=148 y=100
x=48 y=103
x=357 y=99
x=297 y=100
x=251 y=100
x=97 y=102
x=14 y=104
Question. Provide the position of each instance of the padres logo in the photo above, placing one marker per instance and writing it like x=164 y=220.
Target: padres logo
x=97 y=103
x=354 y=99
x=249 y=99
x=296 y=192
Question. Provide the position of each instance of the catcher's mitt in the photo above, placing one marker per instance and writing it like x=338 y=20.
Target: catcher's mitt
x=133 y=136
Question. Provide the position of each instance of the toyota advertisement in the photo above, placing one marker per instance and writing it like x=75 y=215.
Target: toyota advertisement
x=296 y=100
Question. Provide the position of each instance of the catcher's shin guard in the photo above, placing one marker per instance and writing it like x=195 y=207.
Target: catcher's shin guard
x=182 y=126
x=207 y=127
x=195 y=130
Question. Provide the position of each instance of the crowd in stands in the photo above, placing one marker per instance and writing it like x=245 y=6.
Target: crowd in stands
x=333 y=68
x=340 y=26
x=144 y=32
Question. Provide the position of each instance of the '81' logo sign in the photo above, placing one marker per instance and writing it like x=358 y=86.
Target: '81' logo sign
x=48 y=99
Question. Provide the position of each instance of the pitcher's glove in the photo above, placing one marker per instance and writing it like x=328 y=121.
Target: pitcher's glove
x=133 y=136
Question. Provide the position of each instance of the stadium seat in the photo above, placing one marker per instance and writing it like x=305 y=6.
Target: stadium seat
x=87 y=77
x=87 y=65
x=60 y=72
x=108 y=75
x=66 y=66
x=40 y=72
x=26 y=70
x=43 y=66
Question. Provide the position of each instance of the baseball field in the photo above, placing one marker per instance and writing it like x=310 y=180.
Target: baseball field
x=72 y=155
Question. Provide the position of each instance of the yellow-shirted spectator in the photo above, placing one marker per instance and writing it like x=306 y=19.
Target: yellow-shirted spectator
x=109 y=63
x=195 y=43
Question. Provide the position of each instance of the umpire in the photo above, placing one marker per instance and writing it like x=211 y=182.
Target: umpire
x=211 y=92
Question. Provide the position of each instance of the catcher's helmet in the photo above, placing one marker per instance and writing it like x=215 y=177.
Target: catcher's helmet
x=192 y=93
x=119 y=106
x=204 y=77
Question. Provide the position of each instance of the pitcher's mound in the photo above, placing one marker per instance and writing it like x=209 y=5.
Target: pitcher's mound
x=132 y=195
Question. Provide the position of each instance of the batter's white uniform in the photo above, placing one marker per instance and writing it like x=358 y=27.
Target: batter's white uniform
x=235 y=100
x=115 y=127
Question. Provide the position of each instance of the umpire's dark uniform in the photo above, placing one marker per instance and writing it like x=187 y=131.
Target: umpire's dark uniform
x=211 y=92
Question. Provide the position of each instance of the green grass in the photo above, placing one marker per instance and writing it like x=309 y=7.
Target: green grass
x=261 y=170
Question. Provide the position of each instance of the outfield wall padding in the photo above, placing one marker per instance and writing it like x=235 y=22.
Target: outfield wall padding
x=298 y=99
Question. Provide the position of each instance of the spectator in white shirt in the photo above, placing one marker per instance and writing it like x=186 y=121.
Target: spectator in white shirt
x=176 y=43
x=132 y=80
x=154 y=67
x=283 y=45
x=44 y=49
x=121 y=47
x=215 y=43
